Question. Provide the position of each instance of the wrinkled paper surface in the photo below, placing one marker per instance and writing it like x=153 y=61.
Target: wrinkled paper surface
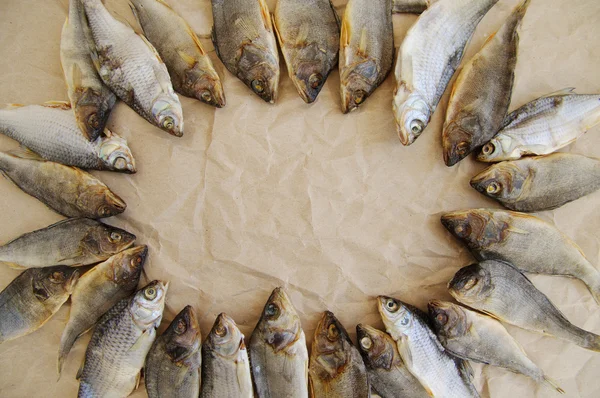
x=330 y=206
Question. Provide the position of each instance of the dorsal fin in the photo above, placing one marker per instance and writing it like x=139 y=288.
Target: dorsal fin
x=266 y=16
x=345 y=33
x=194 y=38
x=302 y=35
x=151 y=47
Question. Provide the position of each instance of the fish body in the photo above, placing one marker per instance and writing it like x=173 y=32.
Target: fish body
x=75 y=241
x=173 y=364
x=336 y=368
x=387 y=373
x=472 y=336
x=51 y=131
x=91 y=100
x=540 y=182
x=131 y=67
x=121 y=340
x=441 y=374
x=366 y=50
x=66 y=190
x=309 y=37
x=528 y=243
x=500 y=290
x=278 y=353
x=543 y=126
x=409 y=6
x=244 y=39
x=482 y=92
x=97 y=291
x=31 y=299
x=225 y=364
x=191 y=70
x=428 y=57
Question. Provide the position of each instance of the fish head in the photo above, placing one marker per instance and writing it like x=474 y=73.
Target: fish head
x=397 y=317
x=126 y=267
x=167 y=114
x=411 y=112
x=471 y=284
x=497 y=149
x=53 y=283
x=457 y=138
x=183 y=335
x=375 y=346
x=206 y=86
x=225 y=338
x=449 y=320
x=501 y=181
x=259 y=70
x=114 y=152
x=279 y=324
x=309 y=78
x=105 y=240
x=357 y=83
x=468 y=226
x=108 y=204
x=92 y=111
x=330 y=346
x=149 y=303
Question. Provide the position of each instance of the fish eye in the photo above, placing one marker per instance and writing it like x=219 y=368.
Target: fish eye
x=93 y=121
x=135 y=261
x=181 y=327
x=366 y=343
x=405 y=321
x=168 y=123
x=359 y=97
x=493 y=188
x=462 y=230
x=115 y=237
x=488 y=149
x=462 y=147
x=391 y=305
x=221 y=331
x=332 y=332
x=442 y=318
x=104 y=211
x=120 y=163
x=150 y=293
x=272 y=310
x=206 y=96
x=417 y=126
x=57 y=277
x=257 y=86
x=315 y=80
x=470 y=284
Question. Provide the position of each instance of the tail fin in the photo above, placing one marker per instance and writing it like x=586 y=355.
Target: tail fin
x=551 y=383
x=592 y=281
x=67 y=340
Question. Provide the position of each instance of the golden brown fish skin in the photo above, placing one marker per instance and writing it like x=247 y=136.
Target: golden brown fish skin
x=409 y=6
x=75 y=241
x=482 y=92
x=278 y=352
x=527 y=242
x=500 y=290
x=309 y=37
x=66 y=190
x=191 y=70
x=31 y=299
x=336 y=368
x=540 y=182
x=366 y=50
x=388 y=374
x=225 y=368
x=97 y=291
x=173 y=363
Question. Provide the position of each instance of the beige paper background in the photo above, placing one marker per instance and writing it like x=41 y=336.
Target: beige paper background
x=330 y=206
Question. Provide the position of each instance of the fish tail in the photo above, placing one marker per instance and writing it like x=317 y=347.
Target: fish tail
x=593 y=284
x=66 y=343
x=591 y=342
x=551 y=383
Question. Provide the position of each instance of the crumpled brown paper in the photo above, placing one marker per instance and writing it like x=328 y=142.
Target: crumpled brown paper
x=330 y=206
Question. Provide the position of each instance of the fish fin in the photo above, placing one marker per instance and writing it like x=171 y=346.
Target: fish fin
x=138 y=377
x=164 y=4
x=76 y=76
x=564 y=91
x=151 y=47
x=188 y=59
x=302 y=35
x=279 y=37
x=551 y=383
x=195 y=39
x=404 y=351
x=64 y=105
x=517 y=231
x=124 y=21
x=14 y=105
x=80 y=370
x=491 y=315
x=181 y=376
x=25 y=153
x=249 y=31
x=489 y=39
x=345 y=34
x=337 y=17
x=266 y=15
x=134 y=12
x=362 y=47
x=13 y=265
x=140 y=339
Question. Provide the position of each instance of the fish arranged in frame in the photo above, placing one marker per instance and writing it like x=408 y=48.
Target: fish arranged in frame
x=526 y=242
x=409 y=6
x=225 y=364
x=277 y=350
x=97 y=291
x=336 y=368
x=440 y=373
x=192 y=72
x=67 y=190
x=73 y=242
x=51 y=131
x=388 y=375
x=121 y=340
x=130 y=66
x=309 y=36
x=428 y=57
x=498 y=289
x=543 y=126
x=366 y=50
x=244 y=40
x=482 y=92
x=472 y=336
x=173 y=363
x=540 y=182
x=91 y=100
x=32 y=298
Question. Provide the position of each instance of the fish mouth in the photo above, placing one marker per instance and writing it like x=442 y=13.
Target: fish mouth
x=479 y=183
x=141 y=251
x=116 y=202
